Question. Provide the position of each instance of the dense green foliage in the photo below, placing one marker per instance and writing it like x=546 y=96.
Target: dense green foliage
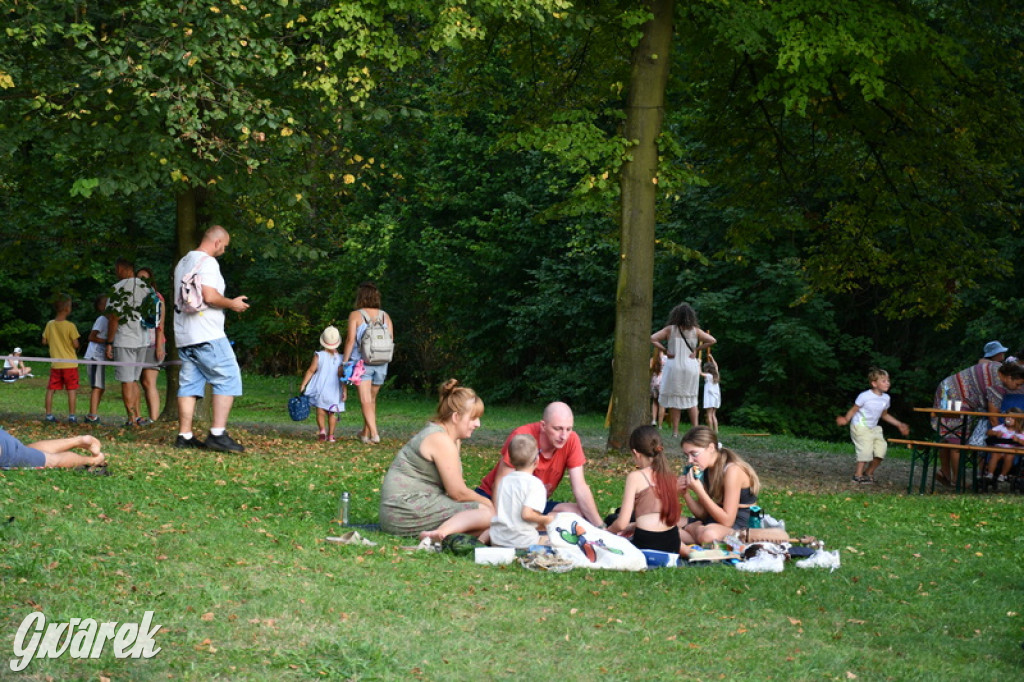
x=838 y=183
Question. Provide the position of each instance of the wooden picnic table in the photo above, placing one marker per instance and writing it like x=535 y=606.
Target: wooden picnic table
x=927 y=452
x=963 y=422
x=947 y=414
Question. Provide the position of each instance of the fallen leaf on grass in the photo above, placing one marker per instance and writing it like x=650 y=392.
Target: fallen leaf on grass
x=850 y=676
x=208 y=616
x=206 y=645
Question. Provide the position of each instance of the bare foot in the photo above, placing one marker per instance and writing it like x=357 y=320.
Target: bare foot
x=432 y=535
x=93 y=444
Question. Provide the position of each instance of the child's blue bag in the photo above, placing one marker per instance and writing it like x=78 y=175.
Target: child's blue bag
x=298 y=408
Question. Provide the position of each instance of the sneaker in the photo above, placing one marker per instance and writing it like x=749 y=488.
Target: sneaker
x=330 y=439
x=867 y=479
x=72 y=419
x=857 y=479
x=223 y=443
x=1003 y=479
x=92 y=419
x=181 y=442
x=142 y=421
x=50 y=418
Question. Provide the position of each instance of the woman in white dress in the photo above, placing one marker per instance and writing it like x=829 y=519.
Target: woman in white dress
x=681 y=340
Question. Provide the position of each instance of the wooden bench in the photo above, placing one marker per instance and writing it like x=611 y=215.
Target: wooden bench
x=927 y=453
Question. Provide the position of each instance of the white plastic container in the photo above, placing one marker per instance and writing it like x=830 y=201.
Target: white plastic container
x=494 y=556
x=656 y=559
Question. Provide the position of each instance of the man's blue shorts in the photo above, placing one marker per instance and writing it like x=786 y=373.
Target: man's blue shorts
x=211 y=363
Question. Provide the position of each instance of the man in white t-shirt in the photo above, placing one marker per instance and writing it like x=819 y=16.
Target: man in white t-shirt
x=205 y=352
x=126 y=340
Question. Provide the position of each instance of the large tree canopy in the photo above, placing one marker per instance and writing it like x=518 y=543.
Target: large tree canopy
x=833 y=181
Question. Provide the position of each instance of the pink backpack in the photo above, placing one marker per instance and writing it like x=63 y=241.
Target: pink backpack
x=189 y=298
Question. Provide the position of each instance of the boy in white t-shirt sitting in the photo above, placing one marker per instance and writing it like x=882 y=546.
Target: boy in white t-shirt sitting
x=521 y=499
x=870 y=407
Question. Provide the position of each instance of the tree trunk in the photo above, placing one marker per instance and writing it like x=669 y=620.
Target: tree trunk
x=186 y=238
x=638 y=183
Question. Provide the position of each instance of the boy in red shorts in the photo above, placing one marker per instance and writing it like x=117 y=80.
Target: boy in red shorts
x=61 y=336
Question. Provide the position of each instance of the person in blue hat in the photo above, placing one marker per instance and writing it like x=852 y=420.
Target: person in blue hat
x=969 y=386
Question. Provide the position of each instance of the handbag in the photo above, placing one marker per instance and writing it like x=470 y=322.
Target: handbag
x=298 y=408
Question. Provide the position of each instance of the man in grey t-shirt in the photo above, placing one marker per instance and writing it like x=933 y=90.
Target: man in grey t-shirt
x=127 y=341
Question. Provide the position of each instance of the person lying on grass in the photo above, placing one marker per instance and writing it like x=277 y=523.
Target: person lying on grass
x=55 y=453
x=720 y=494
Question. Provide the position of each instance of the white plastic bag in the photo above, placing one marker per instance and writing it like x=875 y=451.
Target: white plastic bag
x=573 y=538
x=821 y=559
x=763 y=562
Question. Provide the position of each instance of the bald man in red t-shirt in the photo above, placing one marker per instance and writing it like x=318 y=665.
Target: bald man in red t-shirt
x=560 y=450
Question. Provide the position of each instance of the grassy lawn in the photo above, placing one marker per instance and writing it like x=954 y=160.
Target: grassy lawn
x=229 y=553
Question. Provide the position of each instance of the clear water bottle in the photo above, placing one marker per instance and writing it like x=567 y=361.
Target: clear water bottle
x=343 y=509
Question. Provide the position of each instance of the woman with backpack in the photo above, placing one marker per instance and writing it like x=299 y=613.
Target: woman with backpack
x=370 y=340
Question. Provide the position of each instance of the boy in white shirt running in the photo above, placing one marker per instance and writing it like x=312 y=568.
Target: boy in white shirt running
x=870 y=407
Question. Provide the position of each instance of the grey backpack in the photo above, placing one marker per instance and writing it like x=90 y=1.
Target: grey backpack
x=376 y=346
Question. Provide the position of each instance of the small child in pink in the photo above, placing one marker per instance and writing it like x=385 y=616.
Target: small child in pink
x=1007 y=435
